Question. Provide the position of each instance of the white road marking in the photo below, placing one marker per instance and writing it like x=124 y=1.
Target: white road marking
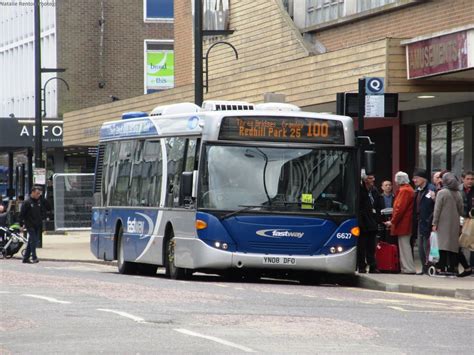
x=5 y=292
x=49 y=299
x=217 y=340
x=401 y=309
x=124 y=314
x=220 y=285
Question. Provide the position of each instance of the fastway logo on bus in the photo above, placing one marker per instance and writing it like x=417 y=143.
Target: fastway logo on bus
x=279 y=233
x=135 y=226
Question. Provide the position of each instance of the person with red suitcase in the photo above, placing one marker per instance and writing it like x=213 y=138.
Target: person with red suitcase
x=401 y=222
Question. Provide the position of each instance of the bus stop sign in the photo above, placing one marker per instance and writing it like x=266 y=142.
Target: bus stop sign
x=374 y=86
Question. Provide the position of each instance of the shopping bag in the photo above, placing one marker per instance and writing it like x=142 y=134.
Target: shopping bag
x=466 y=240
x=434 y=249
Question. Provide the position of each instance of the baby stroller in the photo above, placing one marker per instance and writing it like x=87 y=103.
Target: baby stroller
x=11 y=241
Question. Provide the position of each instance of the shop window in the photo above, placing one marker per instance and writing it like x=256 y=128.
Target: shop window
x=421 y=146
x=439 y=139
x=457 y=147
x=158 y=10
x=441 y=146
x=159 y=65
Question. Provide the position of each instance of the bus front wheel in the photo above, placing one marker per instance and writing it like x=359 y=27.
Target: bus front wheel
x=124 y=267
x=174 y=272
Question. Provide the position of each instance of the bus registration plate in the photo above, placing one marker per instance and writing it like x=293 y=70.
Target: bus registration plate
x=278 y=260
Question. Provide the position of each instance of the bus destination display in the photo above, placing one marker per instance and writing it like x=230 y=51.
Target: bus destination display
x=282 y=129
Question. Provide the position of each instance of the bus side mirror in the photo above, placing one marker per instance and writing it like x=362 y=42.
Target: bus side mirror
x=369 y=162
x=186 y=187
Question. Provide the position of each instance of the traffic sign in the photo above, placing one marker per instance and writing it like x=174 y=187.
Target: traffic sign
x=374 y=86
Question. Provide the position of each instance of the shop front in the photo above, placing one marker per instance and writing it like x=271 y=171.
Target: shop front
x=17 y=172
x=442 y=122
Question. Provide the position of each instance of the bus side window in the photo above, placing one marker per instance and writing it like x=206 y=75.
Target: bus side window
x=137 y=175
x=191 y=156
x=152 y=169
x=110 y=172
x=176 y=149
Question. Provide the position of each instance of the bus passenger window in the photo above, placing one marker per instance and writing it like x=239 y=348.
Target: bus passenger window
x=191 y=163
x=176 y=149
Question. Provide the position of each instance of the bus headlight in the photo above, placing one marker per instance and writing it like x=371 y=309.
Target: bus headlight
x=334 y=250
x=220 y=245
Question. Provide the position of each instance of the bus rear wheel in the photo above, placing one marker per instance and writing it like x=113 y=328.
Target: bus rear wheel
x=174 y=272
x=124 y=267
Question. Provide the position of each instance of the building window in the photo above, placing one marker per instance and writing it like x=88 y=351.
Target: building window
x=158 y=10
x=215 y=15
x=159 y=65
x=321 y=11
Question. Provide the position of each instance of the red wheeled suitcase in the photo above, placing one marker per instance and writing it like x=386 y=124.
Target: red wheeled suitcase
x=386 y=257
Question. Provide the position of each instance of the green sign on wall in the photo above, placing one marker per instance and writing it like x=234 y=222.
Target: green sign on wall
x=160 y=70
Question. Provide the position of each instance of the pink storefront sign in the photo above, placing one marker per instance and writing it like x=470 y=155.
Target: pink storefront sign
x=437 y=55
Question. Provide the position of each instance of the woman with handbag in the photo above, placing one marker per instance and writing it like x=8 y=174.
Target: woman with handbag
x=447 y=210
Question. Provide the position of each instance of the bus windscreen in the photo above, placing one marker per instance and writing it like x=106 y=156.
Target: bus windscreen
x=282 y=129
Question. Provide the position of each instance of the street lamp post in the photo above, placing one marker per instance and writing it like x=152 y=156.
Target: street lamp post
x=38 y=123
x=198 y=87
x=38 y=148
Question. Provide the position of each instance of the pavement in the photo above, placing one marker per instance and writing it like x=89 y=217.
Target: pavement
x=74 y=246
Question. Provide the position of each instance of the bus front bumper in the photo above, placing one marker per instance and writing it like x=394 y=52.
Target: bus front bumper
x=195 y=254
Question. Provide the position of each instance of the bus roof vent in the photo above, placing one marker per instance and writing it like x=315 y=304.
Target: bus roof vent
x=276 y=106
x=214 y=105
x=133 y=114
x=185 y=107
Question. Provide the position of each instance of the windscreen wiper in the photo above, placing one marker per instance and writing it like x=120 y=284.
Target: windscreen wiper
x=244 y=209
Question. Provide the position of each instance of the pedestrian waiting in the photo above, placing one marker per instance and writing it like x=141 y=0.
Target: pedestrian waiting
x=446 y=215
x=368 y=206
x=423 y=215
x=402 y=220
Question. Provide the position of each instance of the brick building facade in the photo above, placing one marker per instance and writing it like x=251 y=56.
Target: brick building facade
x=310 y=64
x=103 y=61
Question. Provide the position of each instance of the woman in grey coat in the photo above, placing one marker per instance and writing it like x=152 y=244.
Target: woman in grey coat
x=447 y=209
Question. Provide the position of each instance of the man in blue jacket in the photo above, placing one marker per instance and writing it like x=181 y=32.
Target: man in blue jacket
x=423 y=214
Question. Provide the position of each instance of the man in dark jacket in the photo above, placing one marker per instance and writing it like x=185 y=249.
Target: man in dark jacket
x=368 y=207
x=31 y=218
x=423 y=214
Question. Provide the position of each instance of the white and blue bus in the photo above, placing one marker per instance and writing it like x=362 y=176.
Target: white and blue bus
x=227 y=187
